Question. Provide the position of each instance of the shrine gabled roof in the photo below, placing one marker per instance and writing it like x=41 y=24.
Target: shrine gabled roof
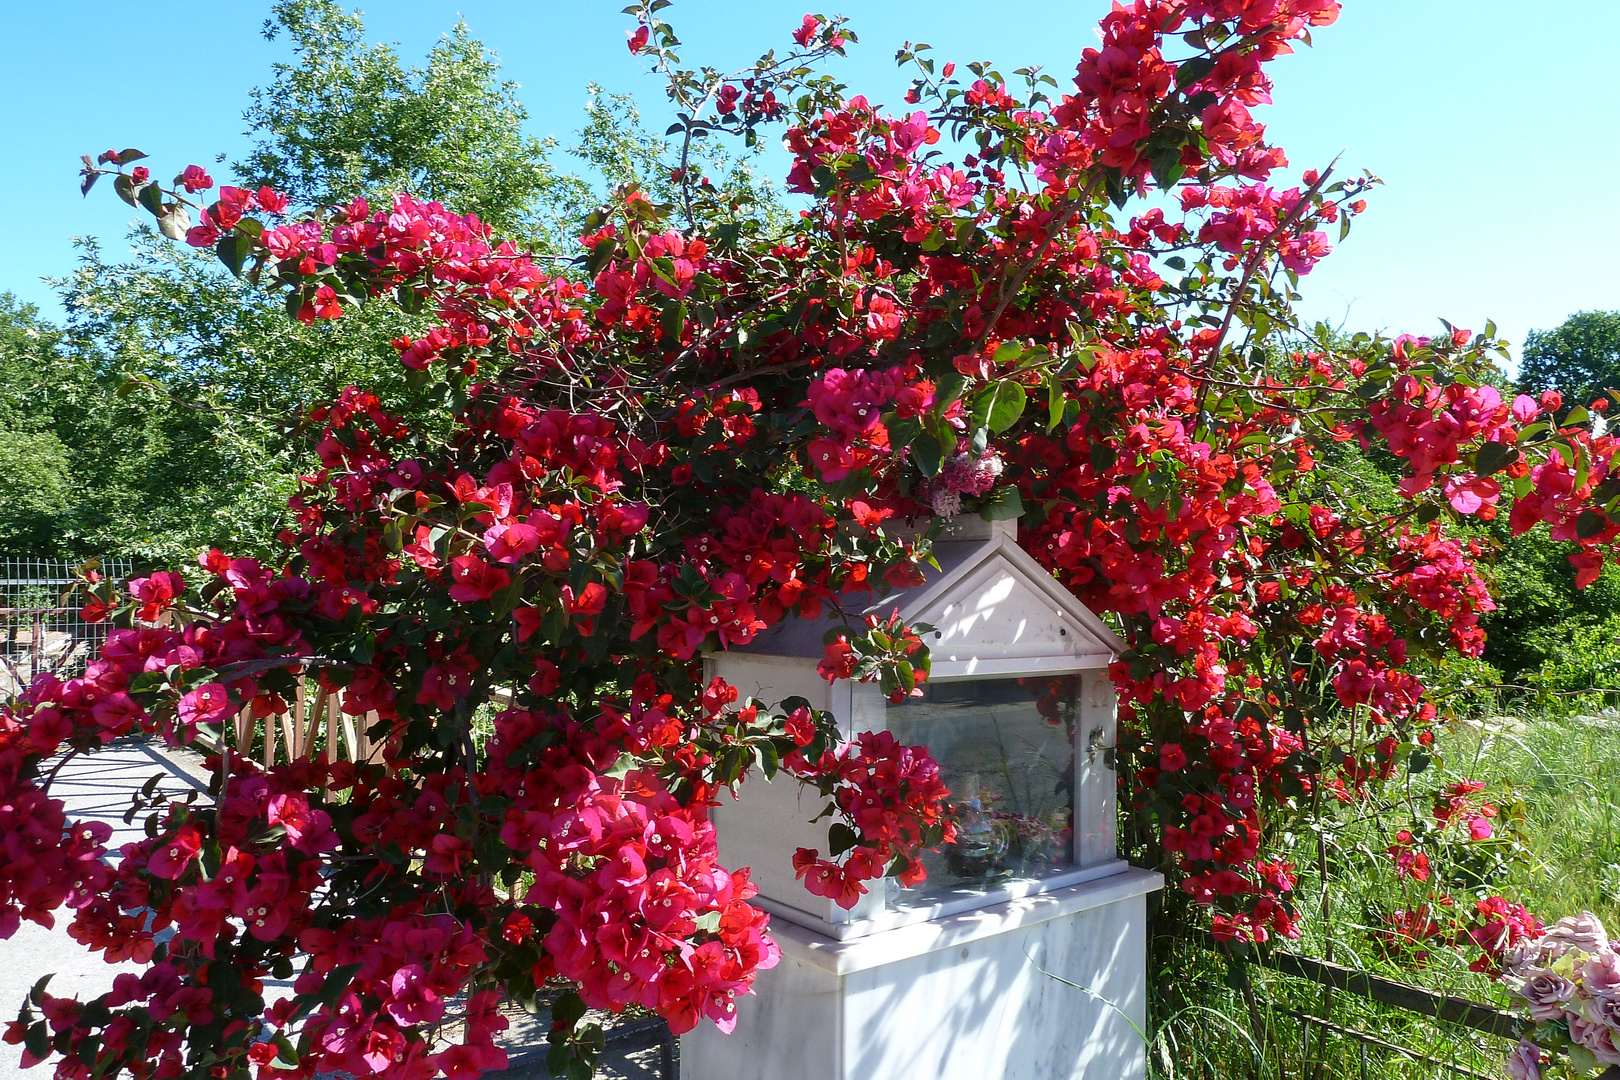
x=994 y=609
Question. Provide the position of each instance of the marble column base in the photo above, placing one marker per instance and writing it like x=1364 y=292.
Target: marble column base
x=968 y=997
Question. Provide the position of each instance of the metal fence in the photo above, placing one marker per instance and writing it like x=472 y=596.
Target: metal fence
x=40 y=627
x=1482 y=1033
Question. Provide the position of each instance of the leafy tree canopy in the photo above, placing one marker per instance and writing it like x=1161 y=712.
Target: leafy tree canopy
x=163 y=417
x=1580 y=358
x=347 y=117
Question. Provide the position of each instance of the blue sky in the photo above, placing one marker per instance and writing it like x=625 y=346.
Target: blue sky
x=1492 y=122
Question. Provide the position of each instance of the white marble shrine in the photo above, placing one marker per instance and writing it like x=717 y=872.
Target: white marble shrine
x=964 y=977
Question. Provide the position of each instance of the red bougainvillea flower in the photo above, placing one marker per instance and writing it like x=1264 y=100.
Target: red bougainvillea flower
x=209 y=703
x=196 y=178
x=475 y=580
x=173 y=854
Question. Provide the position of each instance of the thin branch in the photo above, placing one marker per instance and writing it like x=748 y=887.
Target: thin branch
x=1253 y=264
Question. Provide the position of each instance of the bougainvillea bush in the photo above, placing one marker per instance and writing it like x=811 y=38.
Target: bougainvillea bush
x=1062 y=303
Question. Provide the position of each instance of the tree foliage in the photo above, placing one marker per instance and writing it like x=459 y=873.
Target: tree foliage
x=1580 y=358
x=348 y=118
x=37 y=485
x=202 y=436
x=167 y=415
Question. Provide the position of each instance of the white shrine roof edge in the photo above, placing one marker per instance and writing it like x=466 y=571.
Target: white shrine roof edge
x=957 y=561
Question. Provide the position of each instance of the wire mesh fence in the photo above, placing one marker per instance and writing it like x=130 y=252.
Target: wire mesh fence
x=40 y=627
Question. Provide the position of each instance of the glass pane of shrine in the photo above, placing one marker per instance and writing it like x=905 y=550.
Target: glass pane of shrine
x=1005 y=748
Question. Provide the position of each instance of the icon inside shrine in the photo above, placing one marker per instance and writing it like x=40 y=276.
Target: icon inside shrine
x=1005 y=748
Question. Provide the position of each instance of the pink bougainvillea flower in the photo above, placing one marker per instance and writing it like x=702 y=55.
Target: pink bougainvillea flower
x=209 y=703
x=171 y=855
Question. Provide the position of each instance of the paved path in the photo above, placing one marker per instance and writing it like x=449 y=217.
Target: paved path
x=98 y=787
x=95 y=787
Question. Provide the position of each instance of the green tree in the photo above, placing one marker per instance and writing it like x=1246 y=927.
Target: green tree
x=1539 y=608
x=182 y=401
x=1580 y=358
x=36 y=473
x=620 y=152
x=347 y=117
x=166 y=416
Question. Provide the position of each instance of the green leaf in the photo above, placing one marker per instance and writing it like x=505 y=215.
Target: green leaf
x=38 y=1040
x=1054 y=402
x=768 y=759
x=502 y=603
x=947 y=388
x=1007 y=352
x=1494 y=456
x=1004 y=504
x=1167 y=168
x=928 y=454
x=1590 y=523
x=175 y=223
x=904 y=432
x=840 y=838
x=942 y=431
x=1190 y=71
x=601 y=255
x=151 y=197
x=673 y=319
x=999 y=406
x=233 y=252
x=1371 y=389
x=286 y=1054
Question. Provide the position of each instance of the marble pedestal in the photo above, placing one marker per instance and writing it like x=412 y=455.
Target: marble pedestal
x=962 y=997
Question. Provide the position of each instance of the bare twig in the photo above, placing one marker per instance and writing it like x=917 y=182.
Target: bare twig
x=1253 y=264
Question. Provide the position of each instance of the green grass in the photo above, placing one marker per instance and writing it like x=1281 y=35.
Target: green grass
x=1567 y=775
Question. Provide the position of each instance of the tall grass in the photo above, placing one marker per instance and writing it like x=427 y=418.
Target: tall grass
x=1556 y=783
x=1566 y=773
